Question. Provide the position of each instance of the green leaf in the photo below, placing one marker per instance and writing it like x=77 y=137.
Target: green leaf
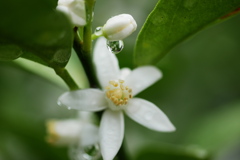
x=173 y=21
x=9 y=52
x=172 y=152
x=37 y=28
x=218 y=130
x=74 y=67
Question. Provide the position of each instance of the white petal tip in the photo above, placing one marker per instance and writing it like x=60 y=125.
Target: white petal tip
x=170 y=129
x=173 y=129
x=149 y=115
x=167 y=127
x=111 y=133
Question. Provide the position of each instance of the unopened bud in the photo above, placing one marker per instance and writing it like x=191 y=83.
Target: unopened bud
x=75 y=10
x=72 y=131
x=119 y=27
x=63 y=132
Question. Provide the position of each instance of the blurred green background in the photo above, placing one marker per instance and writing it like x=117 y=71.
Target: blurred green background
x=200 y=93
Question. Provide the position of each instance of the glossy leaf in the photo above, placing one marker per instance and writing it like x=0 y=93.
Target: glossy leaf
x=37 y=28
x=9 y=52
x=173 y=21
x=74 y=67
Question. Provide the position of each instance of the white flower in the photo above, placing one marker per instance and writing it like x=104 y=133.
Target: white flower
x=119 y=27
x=120 y=86
x=72 y=131
x=75 y=10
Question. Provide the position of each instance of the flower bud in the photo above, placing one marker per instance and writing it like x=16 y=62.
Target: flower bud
x=72 y=131
x=63 y=132
x=119 y=27
x=75 y=10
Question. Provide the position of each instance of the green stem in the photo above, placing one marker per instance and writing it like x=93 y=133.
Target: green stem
x=84 y=48
x=94 y=36
x=63 y=73
x=86 y=60
x=87 y=30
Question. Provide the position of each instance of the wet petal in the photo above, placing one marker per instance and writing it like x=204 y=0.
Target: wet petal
x=84 y=100
x=142 y=77
x=148 y=115
x=105 y=62
x=111 y=133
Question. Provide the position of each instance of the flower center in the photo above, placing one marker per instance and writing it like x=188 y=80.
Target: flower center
x=118 y=93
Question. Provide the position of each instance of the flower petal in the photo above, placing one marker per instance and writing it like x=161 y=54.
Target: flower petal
x=65 y=2
x=111 y=133
x=89 y=135
x=148 y=115
x=84 y=100
x=124 y=72
x=78 y=12
x=106 y=63
x=77 y=20
x=64 y=132
x=142 y=77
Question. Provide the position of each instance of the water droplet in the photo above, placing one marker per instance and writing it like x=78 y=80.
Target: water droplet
x=59 y=103
x=115 y=46
x=69 y=108
x=98 y=31
x=91 y=152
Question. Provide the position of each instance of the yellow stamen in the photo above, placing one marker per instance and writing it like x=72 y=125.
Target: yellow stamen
x=130 y=90
x=121 y=81
x=118 y=93
x=111 y=82
x=122 y=87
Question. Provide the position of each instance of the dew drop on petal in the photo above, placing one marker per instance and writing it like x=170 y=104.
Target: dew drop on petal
x=91 y=152
x=115 y=46
x=98 y=31
x=59 y=103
